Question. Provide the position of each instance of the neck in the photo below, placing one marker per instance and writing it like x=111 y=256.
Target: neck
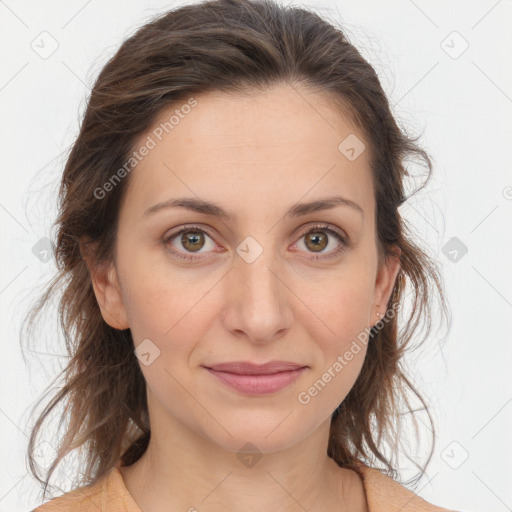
x=181 y=470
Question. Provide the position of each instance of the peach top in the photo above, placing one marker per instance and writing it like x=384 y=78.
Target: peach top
x=109 y=494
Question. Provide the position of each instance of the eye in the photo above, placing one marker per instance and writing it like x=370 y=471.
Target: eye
x=317 y=238
x=191 y=239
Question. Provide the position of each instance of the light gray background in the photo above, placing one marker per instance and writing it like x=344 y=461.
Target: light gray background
x=461 y=101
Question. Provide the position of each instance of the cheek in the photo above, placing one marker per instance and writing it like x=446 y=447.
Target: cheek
x=170 y=306
x=165 y=312
x=341 y=353
x=154 y=297
x=342 y=305
x=341 y=338
x=150 y=303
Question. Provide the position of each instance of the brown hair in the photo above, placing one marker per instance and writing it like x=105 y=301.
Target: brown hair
x=229 y=46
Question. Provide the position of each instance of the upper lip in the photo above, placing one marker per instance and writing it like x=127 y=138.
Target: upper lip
x=248 y=368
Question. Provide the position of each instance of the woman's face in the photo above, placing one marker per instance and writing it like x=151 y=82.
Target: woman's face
x=269 y=281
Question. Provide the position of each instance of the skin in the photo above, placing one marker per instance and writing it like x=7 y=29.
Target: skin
x=254 y=154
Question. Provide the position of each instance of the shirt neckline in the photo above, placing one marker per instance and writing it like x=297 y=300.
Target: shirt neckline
x=116 y=481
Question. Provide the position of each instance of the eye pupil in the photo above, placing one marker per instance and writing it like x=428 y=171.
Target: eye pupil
x=319 y=241
x=192 y=237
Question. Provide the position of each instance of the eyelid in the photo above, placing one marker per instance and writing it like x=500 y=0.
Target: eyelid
x=327 y=227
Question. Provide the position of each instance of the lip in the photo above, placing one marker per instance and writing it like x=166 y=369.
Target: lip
x=254 y=379
x=248 y=368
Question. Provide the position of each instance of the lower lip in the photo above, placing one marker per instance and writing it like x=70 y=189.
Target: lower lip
x=258 y=384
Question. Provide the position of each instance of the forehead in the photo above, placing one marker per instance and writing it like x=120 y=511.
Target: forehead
x=242 y=147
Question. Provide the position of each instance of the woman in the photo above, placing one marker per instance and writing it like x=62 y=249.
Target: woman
x=259 y=369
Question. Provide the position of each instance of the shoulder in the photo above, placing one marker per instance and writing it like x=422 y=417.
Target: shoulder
x=89 y=498
x=386 y=495
x=83 y=499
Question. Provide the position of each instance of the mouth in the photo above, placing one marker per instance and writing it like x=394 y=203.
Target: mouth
x=249 y=368
x=257 y=379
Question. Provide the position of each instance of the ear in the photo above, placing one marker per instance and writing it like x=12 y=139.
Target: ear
x=105 y=282
x=384 y=284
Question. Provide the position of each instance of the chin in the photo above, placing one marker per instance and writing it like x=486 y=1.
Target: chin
x=253 y=438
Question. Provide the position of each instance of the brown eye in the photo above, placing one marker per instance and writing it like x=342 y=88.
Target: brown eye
x=316 y=241
x=192 y=240
x=189 y=240
x=322 y=240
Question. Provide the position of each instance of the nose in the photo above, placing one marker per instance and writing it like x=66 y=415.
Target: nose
x=257 y=299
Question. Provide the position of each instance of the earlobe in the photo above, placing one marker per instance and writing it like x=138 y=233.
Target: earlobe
x=105 y=282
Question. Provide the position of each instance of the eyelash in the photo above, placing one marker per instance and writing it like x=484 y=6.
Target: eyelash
x=344 y=243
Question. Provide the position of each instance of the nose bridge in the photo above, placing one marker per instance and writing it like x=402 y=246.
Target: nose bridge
x=261 y=280
x=259 y=305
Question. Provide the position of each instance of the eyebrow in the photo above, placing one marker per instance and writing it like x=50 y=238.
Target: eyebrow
x=296 y=210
